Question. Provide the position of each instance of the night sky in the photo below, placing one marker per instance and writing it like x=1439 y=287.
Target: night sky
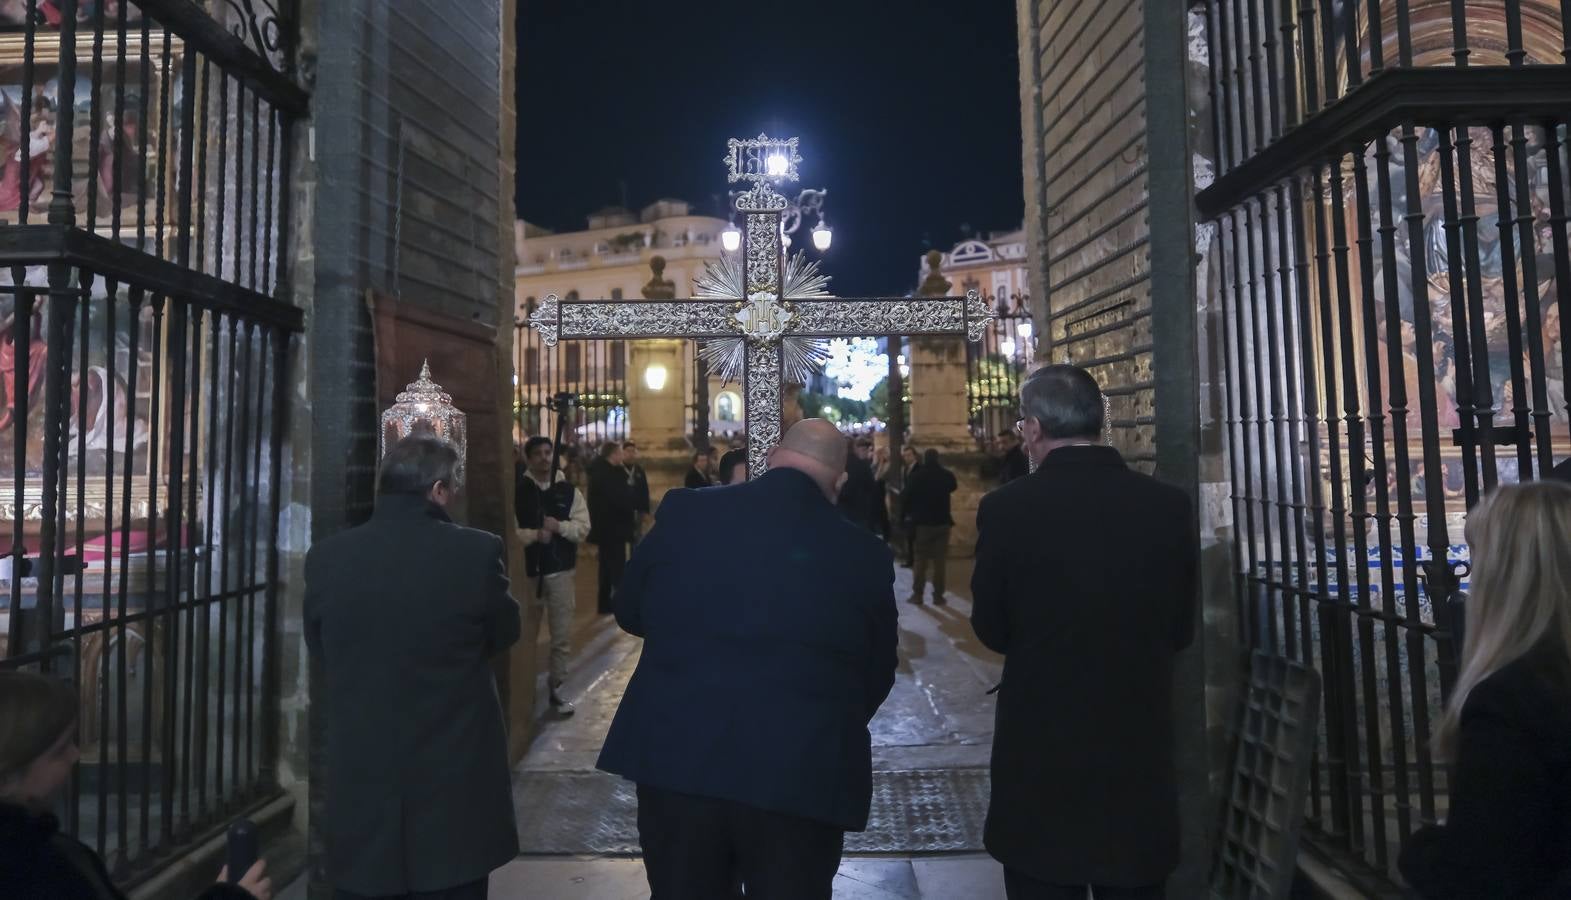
x=912 y=123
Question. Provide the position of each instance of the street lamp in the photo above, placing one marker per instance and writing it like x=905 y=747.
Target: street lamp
x=808 y=204
x=654 y=377
x=822 y=236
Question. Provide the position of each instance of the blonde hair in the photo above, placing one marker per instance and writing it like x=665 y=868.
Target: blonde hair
x=34 y=712
x=1519 y=594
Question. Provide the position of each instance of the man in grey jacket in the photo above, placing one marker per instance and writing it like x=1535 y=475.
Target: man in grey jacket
x=405 y=613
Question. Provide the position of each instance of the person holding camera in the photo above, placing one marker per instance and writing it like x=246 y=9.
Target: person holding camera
x=37 y=752
x=553 y=520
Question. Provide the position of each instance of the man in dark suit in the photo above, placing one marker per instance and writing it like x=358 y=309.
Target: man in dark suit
x=858 y=496
x=927 y=495
x=405 y=613
x=610 y=519
x=638 y=483
x=1013 y=464
x=701 y=474
x=745 y=723
x=1085 y=581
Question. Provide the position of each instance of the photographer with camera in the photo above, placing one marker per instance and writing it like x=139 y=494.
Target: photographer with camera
x=552 y=521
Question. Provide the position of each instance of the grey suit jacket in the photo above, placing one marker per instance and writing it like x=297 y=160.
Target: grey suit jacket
x=405 y=613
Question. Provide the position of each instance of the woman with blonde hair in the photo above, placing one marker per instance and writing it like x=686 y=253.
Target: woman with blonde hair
x=37 y=752
x=1507 y=728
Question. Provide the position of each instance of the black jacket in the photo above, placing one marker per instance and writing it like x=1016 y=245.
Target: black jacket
x=1085 y=581
x=39 y=862
x=759 y=695
x=531 y=505
x=1508 y=830
x=638 y=482
x=1015 y=464
x=927 y=494
x=696 y=479
x=610 y=504
x=860 y=493
x=404 y=614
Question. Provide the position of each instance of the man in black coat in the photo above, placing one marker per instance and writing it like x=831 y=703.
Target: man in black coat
x=927 y=494
x=861 y=487
x=1013 y=464
x=1085 y=580
x=638 y=483
x=611 y=518
x=405 y=613
x=745 y=723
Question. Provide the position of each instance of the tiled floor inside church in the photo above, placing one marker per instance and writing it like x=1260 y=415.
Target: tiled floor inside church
x=931 y=742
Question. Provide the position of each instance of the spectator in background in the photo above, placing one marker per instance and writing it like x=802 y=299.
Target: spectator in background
x=881 y=468
x=553 y=520
x=610 y=520
x=733 y=467
x=1013 y=464
x=638 y=483
x=856 y=498
x=927 y=494
x=701 y=475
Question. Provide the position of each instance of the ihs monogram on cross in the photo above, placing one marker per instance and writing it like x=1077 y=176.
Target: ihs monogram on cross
x=760 y=317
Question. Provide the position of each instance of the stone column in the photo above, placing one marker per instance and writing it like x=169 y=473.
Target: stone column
x=658 y=415
x=940 y=419
x=655 y=398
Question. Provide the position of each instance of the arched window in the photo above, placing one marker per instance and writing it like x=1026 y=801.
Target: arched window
x=728 y=407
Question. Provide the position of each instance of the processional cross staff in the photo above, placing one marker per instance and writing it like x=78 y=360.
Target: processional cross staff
x=760 y=317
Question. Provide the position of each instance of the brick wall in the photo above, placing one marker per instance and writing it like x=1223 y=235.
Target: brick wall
x=1092 y=195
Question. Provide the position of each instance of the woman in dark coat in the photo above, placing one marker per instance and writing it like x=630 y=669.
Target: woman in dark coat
x=37 y=751
x=1507 y=730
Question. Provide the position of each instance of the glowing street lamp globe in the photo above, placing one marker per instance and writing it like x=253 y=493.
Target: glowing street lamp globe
x=822 y=236
x=731 y=239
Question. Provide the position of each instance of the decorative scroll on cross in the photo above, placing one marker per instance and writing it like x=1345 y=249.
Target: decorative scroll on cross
x=761 y=318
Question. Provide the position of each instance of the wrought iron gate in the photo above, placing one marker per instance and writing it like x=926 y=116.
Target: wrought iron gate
x=1390 y=263
x=594 y=372
x=996 y=365
x=144 y=212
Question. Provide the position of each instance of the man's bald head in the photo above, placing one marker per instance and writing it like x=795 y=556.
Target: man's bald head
x=816 y=448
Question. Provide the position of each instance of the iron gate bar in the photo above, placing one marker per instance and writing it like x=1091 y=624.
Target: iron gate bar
x=1557 y=225
x=1540 y=413
x=1483 y=386
x=1458 y=289
x=1403 y=516
x=1508 y=270
x=1478 y=95
x=39 y=244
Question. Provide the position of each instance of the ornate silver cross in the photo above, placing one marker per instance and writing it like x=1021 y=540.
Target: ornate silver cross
x=761 y=318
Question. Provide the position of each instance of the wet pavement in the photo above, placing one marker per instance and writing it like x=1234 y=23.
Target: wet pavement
x=931 y=741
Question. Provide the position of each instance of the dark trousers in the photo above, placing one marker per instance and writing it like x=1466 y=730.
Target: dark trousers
x=1020 y=886
x=613 y=559
x=694 y=846
x=474 y=890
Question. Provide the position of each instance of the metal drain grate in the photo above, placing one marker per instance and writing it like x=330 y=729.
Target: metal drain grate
x=926 y=811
